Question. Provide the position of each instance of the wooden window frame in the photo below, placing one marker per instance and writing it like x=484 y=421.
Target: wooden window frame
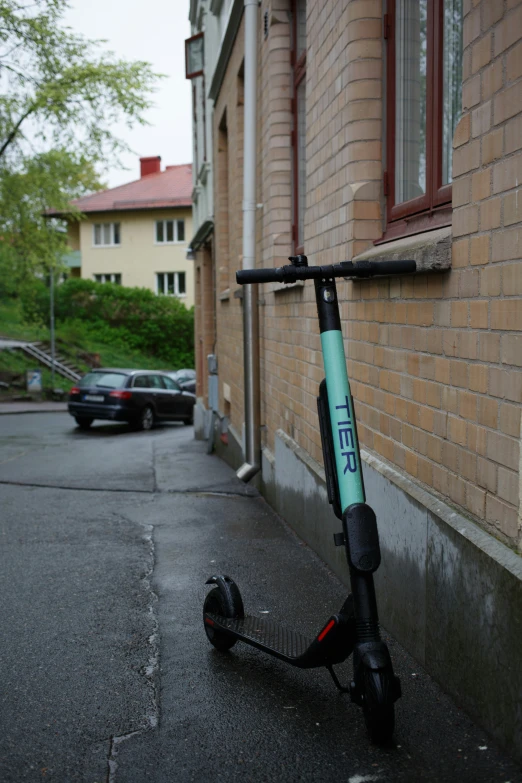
x=433 y=209
x=298 y=75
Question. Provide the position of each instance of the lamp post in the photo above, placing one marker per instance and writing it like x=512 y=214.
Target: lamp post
x=51 y=319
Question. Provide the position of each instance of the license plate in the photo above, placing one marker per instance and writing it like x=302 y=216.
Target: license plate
x=93 y=397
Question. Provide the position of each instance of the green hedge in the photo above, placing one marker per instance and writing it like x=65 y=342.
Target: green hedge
x=135 y=318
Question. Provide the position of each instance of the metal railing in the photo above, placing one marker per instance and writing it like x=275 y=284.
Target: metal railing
x=46 y=359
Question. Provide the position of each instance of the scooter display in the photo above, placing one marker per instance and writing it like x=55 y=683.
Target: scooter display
x=355 y=627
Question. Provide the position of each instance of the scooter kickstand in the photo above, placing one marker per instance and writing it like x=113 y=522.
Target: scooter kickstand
x=338 y=685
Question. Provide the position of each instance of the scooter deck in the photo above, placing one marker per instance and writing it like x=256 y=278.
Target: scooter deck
x=333 y=644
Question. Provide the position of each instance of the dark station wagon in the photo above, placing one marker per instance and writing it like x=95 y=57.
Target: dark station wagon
x=139 y=397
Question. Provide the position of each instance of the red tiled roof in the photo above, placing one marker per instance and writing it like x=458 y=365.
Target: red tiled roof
x=169 y=188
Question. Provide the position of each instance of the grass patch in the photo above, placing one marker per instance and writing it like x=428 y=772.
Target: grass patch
x=16 y=361
x=12 y=324
x=73 y=342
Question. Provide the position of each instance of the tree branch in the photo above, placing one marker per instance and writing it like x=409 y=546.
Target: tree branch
x=12 y=135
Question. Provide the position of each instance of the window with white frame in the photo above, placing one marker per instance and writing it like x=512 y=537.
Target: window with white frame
x=171 y=283
x=106 y=234
x=108 y=278
x=168 y=232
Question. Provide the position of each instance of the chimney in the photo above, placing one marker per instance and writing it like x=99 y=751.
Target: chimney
x=150 y=165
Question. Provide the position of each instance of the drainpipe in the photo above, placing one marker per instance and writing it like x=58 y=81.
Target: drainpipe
x=252 y=465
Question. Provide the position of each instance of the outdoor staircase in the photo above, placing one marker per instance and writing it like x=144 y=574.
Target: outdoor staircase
x=62 y=366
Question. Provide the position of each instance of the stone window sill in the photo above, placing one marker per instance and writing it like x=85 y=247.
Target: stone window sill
x=276 y=288
x=431 y=250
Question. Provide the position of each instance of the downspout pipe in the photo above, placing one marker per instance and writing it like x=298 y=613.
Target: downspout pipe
x=252 y=455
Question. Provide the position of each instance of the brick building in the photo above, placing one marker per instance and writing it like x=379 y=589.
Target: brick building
x=387 y=130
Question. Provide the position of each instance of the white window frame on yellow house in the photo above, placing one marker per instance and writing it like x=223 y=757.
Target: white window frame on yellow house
x=165 y=232
x=115 y=234
x=175 y=281
x=108 y=278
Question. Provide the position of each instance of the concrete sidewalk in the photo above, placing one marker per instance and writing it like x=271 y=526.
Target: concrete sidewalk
x=244 y=716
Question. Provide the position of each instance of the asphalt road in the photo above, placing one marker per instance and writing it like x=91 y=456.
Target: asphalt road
x=107 y=539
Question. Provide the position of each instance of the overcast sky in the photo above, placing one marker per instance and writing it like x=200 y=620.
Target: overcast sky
x=155 y=31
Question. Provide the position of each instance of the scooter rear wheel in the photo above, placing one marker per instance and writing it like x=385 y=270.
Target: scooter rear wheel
x=379 y=714
x=215 y=603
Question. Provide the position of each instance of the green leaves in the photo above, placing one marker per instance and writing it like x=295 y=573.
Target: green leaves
x=32 y=243
x=64 y=86
x=60 y=97
x=132 y=318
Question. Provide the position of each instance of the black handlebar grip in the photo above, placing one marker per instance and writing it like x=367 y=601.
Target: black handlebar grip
x=259 y=276
x=393 y=267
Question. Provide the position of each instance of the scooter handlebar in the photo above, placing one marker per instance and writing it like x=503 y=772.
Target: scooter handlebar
x=261 y=275
x=293 y=273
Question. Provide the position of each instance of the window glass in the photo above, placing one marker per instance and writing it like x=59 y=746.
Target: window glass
x=410 y=117
x=170 y=383
x=170 y=230
x=300 y=24
x=161 y=284
x=194 y=54
x=106 y=234
x=452 y=82
x=181 y=230
x=98 y=278
x=97 y=234
x=301 y=160
x=298 y=58
x=116 y=233
x=181 y=282
x=141 y=382
x=109 y=380
x=117 y=279
x=170 y=283
x=159 y=231
x=155 y=382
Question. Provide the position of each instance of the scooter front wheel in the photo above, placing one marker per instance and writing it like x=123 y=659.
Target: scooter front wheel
x=225 y=601
x=379 y=713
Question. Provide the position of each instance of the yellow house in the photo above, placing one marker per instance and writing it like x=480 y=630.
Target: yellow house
x=137 y=234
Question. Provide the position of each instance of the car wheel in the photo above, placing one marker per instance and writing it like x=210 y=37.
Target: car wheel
x=82 y=422
x=146 y=420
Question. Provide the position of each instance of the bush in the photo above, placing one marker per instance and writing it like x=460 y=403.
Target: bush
x=132 y=318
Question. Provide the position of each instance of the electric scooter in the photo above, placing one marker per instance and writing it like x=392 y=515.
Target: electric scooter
x=355 y=627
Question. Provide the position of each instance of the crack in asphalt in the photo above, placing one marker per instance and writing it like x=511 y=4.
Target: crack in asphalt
x=154 y=471
x=38 y=485
x=112 y=763
x=203 y=491
x=151 y=669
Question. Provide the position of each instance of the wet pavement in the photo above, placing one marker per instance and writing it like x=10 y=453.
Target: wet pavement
x=107 y=539
x=23 y=406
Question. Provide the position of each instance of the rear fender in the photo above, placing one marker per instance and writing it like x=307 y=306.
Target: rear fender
x=230 y=592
